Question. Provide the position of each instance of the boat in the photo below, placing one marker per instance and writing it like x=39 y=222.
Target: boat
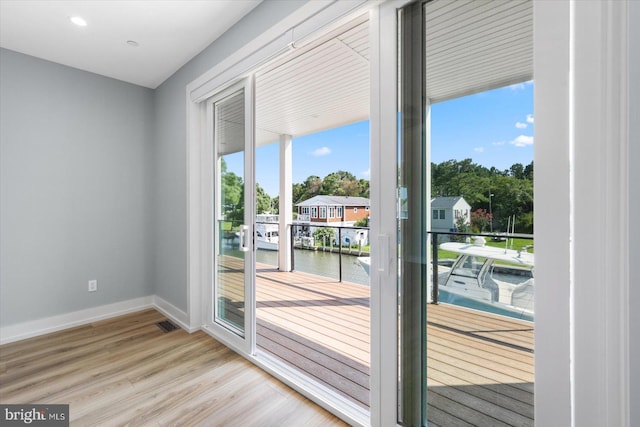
x=365 y=262
x=267 y=237
x=486 y=278
x=489 y=278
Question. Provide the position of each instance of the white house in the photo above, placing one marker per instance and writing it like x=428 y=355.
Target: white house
x=445 y=211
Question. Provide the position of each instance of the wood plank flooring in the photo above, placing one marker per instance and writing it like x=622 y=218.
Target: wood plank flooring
x=127 y=371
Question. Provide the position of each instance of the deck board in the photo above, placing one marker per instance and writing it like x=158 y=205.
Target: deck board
x=480 y=366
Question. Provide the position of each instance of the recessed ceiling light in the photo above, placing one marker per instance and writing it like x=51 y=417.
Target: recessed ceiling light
x=133 y=43
x=78 y=21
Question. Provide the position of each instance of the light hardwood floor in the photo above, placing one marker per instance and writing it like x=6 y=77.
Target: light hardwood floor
x=127 y=371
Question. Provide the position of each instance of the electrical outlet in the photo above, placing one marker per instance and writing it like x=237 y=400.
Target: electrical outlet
x=93 y=285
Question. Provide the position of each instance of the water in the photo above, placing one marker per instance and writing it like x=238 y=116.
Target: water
x=321 y=263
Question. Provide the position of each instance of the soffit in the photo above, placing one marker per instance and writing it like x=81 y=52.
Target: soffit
x=477 y=45
x=472 y=46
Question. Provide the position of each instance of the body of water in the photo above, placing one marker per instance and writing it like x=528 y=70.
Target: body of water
x=321 y=263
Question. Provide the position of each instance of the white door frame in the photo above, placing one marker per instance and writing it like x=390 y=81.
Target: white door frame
x=245 y=343
x=384 y=222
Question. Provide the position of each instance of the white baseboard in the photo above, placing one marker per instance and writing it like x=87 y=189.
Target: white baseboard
x=174 y=313
x=47 y=325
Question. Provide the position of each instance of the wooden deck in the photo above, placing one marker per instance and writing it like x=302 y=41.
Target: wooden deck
x=479 y=366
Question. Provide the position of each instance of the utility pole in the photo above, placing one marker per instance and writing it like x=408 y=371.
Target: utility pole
x=490 y=213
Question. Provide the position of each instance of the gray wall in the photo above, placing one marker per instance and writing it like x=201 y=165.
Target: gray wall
x=170 y=197
x=634 y=210
x=74 y=181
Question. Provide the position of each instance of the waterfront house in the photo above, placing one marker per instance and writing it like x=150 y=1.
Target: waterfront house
x=334 y=210
x=445 y=212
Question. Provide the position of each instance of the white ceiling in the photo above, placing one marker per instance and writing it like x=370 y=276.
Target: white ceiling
x=169 y=33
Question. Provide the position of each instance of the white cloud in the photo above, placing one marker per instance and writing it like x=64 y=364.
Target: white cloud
x=498 y=143
x=366 y=173
x=522 y=141
x=520 y=86
x=516 y=87
x=529 y=118
x=521 y=125
x=478 y=149
x=322 y=151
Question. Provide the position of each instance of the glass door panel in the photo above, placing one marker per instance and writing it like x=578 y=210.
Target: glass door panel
x=232 y=232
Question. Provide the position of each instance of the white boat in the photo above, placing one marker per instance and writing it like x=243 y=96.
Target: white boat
x=365 y=262
x=267 y=237
x=485 y=278
x=490 y=278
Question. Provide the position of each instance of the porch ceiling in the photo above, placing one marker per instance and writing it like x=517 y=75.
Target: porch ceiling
x=472 y=46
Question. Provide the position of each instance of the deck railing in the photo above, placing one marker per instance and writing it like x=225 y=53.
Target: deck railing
x=298 y=232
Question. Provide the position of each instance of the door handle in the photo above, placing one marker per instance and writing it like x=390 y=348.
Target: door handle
x=244 y=233
x=383 y=244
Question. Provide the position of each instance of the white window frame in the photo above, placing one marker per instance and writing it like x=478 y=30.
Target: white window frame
x=323 y=212
x=314 y=212
x=332 y=212
x=339 y=212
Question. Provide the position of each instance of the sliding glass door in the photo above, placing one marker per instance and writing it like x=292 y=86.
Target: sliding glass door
x=230 y=113
x=465 y=349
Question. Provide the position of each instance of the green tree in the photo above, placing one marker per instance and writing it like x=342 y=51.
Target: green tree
x=340 y=183
x=362 y=222
x=263 y=200
x=517 y=171
x=363 y=188
x=311 y=187
x=528 y=171
x=232 y=194
x=512 y=189
x=324 y=235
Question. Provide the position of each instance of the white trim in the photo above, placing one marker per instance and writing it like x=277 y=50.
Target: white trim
x=552 y=231
x=244 y=339
x=47 y=325
x=383 y=219
x=600 y=289
x=197 y=171
x=172 y=312
x=34 y=328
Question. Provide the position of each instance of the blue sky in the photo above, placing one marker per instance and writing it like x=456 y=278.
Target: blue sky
x=493 y=128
